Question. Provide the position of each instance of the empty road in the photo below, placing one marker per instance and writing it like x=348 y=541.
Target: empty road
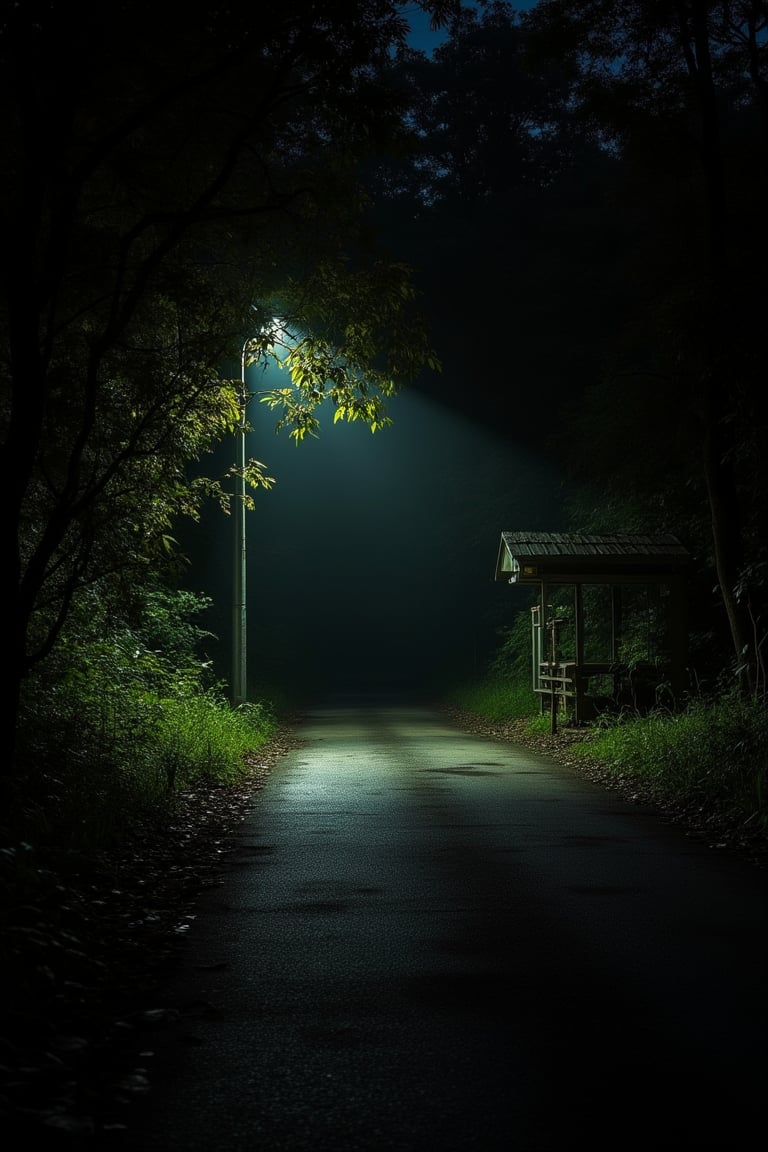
x=433 y=940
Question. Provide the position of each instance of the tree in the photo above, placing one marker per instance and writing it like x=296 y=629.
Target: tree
x=677 y=91
x=488 y=123
x=163 y=175
x=507 y=210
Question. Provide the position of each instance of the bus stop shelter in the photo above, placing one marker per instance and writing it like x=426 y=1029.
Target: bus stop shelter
x=609 y=627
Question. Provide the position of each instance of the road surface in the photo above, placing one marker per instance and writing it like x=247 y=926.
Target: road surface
x=433 y=940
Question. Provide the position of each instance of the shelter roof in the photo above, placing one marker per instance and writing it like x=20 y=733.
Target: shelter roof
x=529 y=557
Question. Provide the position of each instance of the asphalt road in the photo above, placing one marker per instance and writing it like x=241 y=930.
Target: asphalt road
x=433 y=940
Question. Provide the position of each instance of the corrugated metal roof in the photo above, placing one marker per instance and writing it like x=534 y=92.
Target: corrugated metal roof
x=529 y=556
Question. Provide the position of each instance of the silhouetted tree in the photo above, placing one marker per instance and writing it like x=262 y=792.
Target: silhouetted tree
x=507 y=209
x=164 y=171
x=677 y=92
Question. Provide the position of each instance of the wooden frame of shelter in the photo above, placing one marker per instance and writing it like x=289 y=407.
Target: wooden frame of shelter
x=595 y=588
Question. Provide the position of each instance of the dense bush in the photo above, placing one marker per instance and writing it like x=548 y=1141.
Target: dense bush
x=122 y=717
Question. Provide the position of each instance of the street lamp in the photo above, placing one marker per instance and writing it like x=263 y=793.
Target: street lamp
x=264 y=343
x=239 y=625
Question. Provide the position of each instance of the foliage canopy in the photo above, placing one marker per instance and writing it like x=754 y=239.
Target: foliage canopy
x=163 y=176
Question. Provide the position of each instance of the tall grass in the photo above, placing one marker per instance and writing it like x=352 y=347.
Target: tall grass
x=495 y=697
x=203 y=737
x=714 y=753
x=112 y=730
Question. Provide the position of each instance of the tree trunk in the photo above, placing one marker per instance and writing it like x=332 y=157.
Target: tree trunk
x=725 y=515
x=724 y=503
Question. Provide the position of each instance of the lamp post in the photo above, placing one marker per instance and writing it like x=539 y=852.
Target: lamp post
x=239 y=625
x=265 y=340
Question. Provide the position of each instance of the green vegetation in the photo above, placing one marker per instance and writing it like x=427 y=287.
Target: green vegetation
x=140 y=267
x=504 y=691
x=122 y=720
x=710 y=753
x=167 y=264
x=495 y=698
x=713 y=754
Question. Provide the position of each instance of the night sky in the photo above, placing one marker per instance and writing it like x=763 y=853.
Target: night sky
x=422 y=36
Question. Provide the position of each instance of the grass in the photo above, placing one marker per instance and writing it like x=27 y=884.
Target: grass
x=495 y=698
x=713 y=753
x=108 y=760
x=204 y=737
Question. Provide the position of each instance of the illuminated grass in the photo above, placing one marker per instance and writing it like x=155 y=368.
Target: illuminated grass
x=496 y=698
x=202 y=736
x=129 y=755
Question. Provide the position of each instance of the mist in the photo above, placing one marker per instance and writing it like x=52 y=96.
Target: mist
x=370 y=563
